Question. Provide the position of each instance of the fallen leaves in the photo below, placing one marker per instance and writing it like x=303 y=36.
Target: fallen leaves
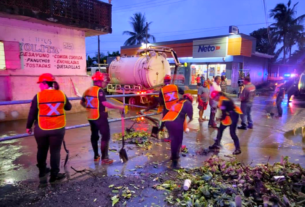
x=140 y=138
x=126 y=193
x=231 y=183
x=115 y=199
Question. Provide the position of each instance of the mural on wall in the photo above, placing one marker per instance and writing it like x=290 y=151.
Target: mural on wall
x=42 y=48
x=43 y=54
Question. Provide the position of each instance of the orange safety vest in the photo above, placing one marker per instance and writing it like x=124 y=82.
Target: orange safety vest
x=92 y=102
x=51 y=112
x=228 y=121
x=170 y=95
x=174 y=111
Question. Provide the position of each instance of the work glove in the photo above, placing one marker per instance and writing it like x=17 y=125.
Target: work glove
x=142 y=111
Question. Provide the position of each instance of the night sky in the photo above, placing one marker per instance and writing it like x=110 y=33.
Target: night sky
x=184 y=19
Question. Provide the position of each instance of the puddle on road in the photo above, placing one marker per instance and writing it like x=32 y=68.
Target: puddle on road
x=295 y=132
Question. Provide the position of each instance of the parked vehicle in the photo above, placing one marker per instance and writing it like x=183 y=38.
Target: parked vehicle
x=301 y=84
x=141 y=74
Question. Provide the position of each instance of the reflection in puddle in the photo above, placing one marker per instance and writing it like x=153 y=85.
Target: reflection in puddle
x=296 y=132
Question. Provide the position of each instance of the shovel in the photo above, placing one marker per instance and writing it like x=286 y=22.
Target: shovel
x=123 y=153
x=155 y=129
x=67 y=151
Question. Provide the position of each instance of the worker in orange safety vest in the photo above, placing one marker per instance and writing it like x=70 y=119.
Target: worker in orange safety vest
x=230 y=114
x=48 y=112
x=94 y=100
x=174 y=121
x=168 y=96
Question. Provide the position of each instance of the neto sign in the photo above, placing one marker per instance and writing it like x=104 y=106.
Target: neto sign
x=209 y=48
x=212 y=47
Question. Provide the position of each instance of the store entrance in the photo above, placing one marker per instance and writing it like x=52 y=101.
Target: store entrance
x=208 y=71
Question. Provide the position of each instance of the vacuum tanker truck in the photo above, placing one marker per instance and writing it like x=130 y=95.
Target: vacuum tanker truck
x=141 y=74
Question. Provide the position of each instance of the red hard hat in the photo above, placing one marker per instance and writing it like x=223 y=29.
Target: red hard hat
x=167 y=78
x=214 y=94
x=98 y=76
x=189 y=97
x=48 y=77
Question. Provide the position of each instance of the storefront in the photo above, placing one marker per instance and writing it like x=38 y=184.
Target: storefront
x=227 y=55
x=207 y=71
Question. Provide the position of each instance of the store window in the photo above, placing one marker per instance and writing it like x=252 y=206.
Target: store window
x=2 y=57
x=244 y=72
x=217 y=70
x=209 y=71
x=197 y=70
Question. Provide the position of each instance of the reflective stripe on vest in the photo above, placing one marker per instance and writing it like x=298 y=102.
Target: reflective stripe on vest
x=51 y=112
x=227 y=121
x=238 y=110
x=174 y=111
x=221 y=99
x=92 y=102
x=170 y=95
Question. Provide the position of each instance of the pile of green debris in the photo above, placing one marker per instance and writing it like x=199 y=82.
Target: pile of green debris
x=140 y=138
x=231 y=183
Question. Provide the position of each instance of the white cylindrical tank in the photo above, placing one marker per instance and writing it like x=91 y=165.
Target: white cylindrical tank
x=146 y=71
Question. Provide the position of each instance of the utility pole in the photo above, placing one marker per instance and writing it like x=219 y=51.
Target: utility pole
x=146 y=33
x=98 y=51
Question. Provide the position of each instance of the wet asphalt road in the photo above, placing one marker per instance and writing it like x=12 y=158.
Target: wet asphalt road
x=270 y=139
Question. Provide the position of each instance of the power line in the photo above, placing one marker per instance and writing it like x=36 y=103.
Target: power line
x=188 y=46
x=268 y=31
x=161 y=3
x=136 y=4
x=151 y=5
x=190 y=30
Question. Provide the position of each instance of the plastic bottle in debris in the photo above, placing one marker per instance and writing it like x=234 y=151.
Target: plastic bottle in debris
x=187 y=184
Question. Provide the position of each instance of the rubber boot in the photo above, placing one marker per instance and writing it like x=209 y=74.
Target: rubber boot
x=175 y=156
x=105 y=156
x=43 y=170
x=216 y=145
x=59 y=176
x=243 y=126
x=237 y=147
x=104 y=149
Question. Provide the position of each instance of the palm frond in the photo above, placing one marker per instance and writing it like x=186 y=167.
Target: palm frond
x=139 y=27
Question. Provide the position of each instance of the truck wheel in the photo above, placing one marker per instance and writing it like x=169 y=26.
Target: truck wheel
x=132 y=101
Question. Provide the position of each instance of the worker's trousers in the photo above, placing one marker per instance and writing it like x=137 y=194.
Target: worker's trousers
x=49 y=139
x=234 y=117
x=175 y=131
x=101 y=126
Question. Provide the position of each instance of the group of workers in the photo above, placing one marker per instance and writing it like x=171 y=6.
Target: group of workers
x=47 y=112
x=48 y=108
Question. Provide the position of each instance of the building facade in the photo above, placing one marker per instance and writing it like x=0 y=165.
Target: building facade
x=229 y=55
x=46 y=37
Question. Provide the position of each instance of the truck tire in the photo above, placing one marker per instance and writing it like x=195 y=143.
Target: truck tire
x=132 y=100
